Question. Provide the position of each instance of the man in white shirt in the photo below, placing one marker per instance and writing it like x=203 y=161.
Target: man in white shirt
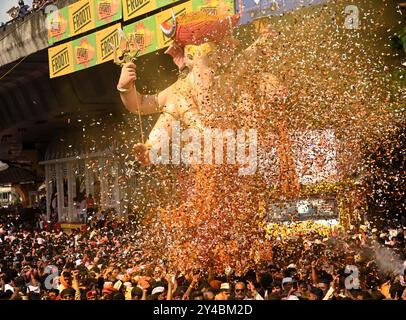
x=6 y=288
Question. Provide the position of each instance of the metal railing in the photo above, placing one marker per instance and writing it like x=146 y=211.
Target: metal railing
x=24 y=12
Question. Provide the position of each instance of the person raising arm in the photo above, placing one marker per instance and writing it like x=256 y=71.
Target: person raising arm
x=133 y=100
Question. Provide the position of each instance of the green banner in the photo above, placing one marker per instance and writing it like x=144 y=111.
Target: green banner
x=58 y=25
x=81 y=17
x=98 y=47
x=84 y=52
x=144 y=34
x=107 y=11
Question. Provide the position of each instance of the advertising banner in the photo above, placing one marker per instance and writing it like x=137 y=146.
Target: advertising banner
x=81 y=17
x=60 y=60
x=107 y=11
x=58 y=25
x=144 y=34
x=84 y=52
x=99 y=47
x=136 y=8
x=106 y=40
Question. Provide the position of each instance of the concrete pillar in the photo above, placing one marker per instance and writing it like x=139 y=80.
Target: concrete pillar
x=103 y=183
x=89 y=180
x=116 y=191
x=59 y=189
x=48 y=189
x=72 y=212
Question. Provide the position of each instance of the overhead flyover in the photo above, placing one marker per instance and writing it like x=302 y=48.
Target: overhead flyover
x=25 y=37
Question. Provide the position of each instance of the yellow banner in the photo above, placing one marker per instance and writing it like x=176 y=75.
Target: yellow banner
x=81 y=17
x=166 y=16
x=60 y=60
x=98 y=47
x=135 y=8
x=106 y=41
x=71 y=226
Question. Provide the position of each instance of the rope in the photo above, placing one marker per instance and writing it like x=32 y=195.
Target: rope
x=15 y=66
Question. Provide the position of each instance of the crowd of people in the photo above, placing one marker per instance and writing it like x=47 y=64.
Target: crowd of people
x=102 y=262
x=84 y=206
x=23 y=10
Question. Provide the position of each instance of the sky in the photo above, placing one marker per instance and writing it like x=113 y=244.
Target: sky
x=5 y=5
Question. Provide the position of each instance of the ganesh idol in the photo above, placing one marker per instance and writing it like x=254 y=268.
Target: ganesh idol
x=222 y=87
x=205 y=52
x=200 y=43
